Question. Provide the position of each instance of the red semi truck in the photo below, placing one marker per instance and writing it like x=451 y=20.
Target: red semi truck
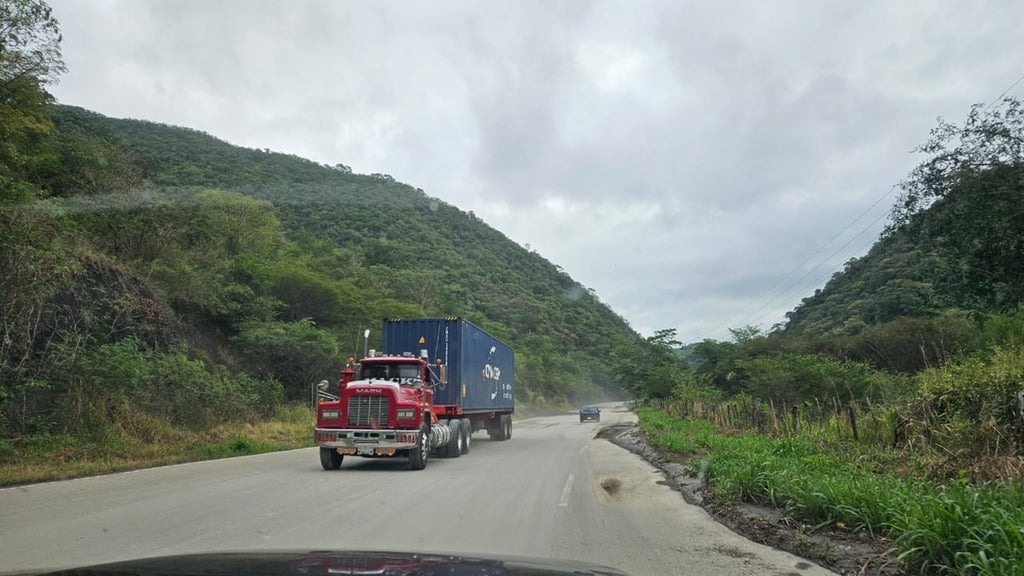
x=436 y=382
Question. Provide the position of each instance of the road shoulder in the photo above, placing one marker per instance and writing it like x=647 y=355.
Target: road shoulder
x=842 y=552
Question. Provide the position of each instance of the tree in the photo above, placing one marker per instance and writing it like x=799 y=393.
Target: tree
x=29 y=43
x=294 y=353
x=966 y=200
x=29 y=58
x=648 y=366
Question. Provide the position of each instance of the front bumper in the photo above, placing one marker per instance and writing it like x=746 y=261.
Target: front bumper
x=366 y=442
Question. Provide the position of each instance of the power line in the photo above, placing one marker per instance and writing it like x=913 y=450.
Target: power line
x=828 y=273
x=772 y=298
x=1005 y=92
x=801 y=264
x=804 y=288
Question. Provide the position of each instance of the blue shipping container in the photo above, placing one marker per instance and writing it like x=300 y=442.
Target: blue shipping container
x=481 y=368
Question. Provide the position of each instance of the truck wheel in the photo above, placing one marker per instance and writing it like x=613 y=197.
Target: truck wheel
x=466 y=431
x=330 y=459
x=454 y=447
x=418 y=456
x=504 y=429
x=442 y=451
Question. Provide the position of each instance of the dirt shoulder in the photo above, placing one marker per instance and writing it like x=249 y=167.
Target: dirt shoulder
x=841 y=551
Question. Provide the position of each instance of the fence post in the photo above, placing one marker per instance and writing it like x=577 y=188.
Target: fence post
x=757 y=413
x=853 y=420
x=926 y=409
x=1020 y=408
x=1020 y=404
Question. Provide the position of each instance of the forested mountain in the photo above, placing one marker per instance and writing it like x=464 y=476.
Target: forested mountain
x=956 y=240
x=937 y=301
x=897 y=278
x=139 y=253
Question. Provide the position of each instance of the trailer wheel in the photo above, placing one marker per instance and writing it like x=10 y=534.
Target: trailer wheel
x=330 y=459
x=466 y=431
x=506 y=426
x=419 y=455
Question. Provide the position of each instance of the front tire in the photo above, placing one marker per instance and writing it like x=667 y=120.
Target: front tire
x=330 y=459
x=418 y=456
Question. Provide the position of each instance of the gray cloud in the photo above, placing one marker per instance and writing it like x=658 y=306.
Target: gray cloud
x=678 y=158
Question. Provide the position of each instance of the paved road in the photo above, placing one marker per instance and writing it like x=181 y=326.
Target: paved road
x=539 y=494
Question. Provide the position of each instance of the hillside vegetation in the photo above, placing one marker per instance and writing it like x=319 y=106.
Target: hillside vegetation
x=156 y=279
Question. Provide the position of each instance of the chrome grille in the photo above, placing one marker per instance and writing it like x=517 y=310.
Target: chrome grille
x=371 y=410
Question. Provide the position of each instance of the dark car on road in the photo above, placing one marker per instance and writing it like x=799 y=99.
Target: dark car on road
x=590 y=413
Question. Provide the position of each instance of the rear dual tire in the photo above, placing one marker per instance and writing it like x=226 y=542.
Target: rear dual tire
x=501 y=429
x=466 y=431
x=458 y=444
x=453 y=449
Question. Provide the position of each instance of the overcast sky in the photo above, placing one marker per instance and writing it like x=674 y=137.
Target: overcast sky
x=699 y=165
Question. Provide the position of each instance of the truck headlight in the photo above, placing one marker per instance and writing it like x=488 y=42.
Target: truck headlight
x=405 y=414
x=330 y=414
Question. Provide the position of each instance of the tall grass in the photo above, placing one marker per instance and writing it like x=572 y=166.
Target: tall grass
x=938 y=527
x=146 y=440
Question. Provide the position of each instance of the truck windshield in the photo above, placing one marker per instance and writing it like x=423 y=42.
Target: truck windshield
x=390 y=372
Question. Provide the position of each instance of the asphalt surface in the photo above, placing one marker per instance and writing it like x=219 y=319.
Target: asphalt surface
x=552 y=491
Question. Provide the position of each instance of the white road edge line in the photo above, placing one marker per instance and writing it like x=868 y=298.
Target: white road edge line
x=564 y=500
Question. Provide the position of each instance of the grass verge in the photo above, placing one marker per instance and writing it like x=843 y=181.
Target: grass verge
x=147 y=443
x=938 y=527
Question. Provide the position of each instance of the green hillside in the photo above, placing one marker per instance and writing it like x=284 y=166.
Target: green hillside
x=164 y=268
x=956 y=239
x=943 y=285
x=896 y=278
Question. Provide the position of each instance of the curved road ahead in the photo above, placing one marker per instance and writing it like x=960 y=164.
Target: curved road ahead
x=539 y=494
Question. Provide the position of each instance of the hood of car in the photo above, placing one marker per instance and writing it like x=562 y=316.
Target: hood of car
x=327 y=563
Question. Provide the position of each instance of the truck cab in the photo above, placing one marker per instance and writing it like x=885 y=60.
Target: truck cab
x=384 y=408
